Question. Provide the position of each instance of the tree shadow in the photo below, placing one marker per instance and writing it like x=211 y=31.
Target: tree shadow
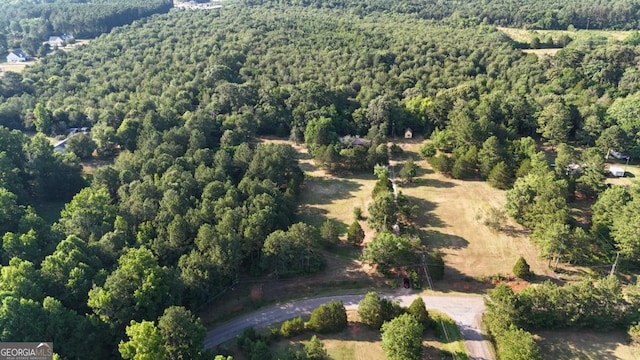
x=437 y=240
x=580 y=344
x=319 y=190
x=424 y=215
x=435 y=183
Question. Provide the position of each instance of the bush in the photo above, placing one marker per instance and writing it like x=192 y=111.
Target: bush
x=427 y=150
x=419 y=311
x=357 y=213
x=355 y=234
x=521 y=269
x=517 y=344
x=292 y=327
x=442 y=163
x=374 y=310
x=328 y=318
x=634 y=333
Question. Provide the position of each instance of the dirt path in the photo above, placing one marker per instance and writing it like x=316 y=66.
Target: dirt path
x=465 y=310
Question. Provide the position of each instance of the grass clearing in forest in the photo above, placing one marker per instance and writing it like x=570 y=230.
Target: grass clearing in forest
x=525 y=36
x=585 y=345
x=450 y=219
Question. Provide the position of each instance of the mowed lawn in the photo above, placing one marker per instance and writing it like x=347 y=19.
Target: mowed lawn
x=585 y=345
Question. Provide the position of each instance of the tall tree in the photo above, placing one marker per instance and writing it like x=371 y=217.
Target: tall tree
x=402 y=338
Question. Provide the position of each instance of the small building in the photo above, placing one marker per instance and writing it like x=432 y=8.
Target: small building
x=60 y=146
x=408 y=133
x=617 y=155
x=616 y=171
x=17 y=56
x=59 y=41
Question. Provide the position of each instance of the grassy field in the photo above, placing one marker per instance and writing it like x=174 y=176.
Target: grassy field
x=451 y=217
x=585 y=345
x=13 y=67
x=525 y=36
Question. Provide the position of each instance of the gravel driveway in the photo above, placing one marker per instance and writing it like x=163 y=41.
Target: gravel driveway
x=465 y=310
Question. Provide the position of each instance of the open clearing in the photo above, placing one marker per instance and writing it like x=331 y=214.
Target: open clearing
x=13 y=67
x=525 y=36
x=449 y=217
x=585 y=345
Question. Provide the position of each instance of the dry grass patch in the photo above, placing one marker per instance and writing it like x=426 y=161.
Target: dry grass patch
x=4 y=67
x=541 y=52
x=584 y=345
x=525 y=36
x=451 y=218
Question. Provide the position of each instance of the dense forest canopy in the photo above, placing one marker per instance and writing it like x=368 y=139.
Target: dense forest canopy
x=193 y=199
x=29 y=23
x=534 y=14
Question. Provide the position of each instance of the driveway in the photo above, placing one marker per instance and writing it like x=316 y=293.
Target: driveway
x=465 y=310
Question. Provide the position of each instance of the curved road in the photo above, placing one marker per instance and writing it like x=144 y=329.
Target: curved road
x=465 y=310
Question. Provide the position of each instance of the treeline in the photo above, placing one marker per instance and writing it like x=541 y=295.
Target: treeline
x=29 y=24
x=601 y=305
x=547 y=14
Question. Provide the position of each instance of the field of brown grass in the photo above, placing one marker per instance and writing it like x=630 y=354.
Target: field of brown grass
x=450 y=215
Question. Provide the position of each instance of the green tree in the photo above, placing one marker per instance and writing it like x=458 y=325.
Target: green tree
x=419 y=310
x=82 y=145
x=624 y=231
x=409 y=170
x=292 y=327
x=145 y=342
x=402 y=338
x=517 y=344
x=89 y=215
x=314 y=349
x=328 y=318
x=374 y=310
x=42 y=119
x=387 y=250
x=490 y=155
x=182 y=333
x=330 y=233
x=554 y=123
x=355 y=234
x=137 y=289
x=521 y=269
x=592 y=181
x=382 y=211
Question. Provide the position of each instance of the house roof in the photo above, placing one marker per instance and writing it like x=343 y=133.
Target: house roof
x=19 y=53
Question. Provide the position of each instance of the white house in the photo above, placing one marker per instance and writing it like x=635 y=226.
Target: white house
x=58 y=41
x=17 y=56
x=616 y=171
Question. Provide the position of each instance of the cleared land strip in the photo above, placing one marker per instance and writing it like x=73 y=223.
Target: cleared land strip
x=465 y=310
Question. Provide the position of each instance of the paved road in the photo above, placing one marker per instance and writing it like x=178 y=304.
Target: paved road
x=465 y=310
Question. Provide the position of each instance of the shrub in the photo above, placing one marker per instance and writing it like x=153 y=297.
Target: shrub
x=357 y=213
x=328 y=318
x=374 y=310
x=521 y=269
x=355 y=234
x=314 y=349
x=634 y=333
x=292 y=327
x=442 y=163
x=427 y=150
x=419 y=311
x=517 y=344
